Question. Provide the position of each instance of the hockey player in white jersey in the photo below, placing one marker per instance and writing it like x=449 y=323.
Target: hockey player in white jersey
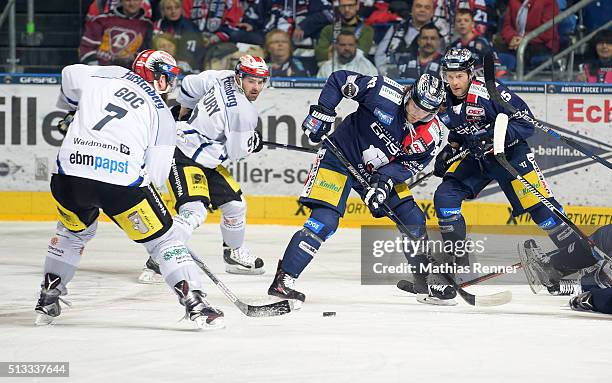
x=221 y=126
x=121 y=140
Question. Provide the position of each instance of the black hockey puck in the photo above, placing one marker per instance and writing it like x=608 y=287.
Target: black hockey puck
x=329 y=313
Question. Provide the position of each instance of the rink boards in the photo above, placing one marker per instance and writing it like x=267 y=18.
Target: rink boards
x=285 y=210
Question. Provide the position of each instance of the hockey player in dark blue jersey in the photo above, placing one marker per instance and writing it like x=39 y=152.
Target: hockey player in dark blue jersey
x=593 y=291
x=393 y=134
x=471 y=119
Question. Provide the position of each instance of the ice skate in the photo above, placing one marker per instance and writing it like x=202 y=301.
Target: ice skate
x=150 y=274
x=439 y=292
x=48 y=306
x=241 y=261
x=283 y=284
x=197 y=308
x=582 y=302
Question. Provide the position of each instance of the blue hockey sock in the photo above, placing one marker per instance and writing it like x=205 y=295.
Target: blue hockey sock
x=305 y=243
x=299 y=252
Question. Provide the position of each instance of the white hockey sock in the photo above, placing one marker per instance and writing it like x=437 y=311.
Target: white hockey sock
x=190 y=216
x=64 y=252
x=233 y=223
x=175 y=262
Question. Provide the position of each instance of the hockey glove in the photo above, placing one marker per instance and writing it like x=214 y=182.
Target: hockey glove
x=64 y=123
x=378 y=192
x=479 y=144
x=441 y=165
x=318 y=122
x=255 y=142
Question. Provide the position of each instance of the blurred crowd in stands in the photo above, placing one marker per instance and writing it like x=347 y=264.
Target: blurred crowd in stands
x=312 y=38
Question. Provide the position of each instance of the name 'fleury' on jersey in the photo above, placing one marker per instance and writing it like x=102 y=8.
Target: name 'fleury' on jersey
x=222 y=121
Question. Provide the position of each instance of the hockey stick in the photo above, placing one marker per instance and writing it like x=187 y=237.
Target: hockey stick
x=288 y=147
x=269 y=310
x=499 y=138
x=480 y=300
x=489 y=74
x=408 y=286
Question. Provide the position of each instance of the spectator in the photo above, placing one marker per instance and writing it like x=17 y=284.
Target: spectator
x=599 y=69
x=427 y=59
x=448 y=9
x=164 y=42
x=217 y=20
x=172 y=20
x=115 y=38
x=220 y=56
x=185 y=35
x=280 y=56
x=468 y=38
x=347 y=57
x=384 y=13
x=523 y=16
x=302 y=19
x=347 y=19
x=100 y=7
x=401 y=38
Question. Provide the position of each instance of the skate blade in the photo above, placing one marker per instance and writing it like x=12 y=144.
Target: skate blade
x=216 y=324
x=426 y=299
x=149 y=277
x=44 y=320
x=234 y=269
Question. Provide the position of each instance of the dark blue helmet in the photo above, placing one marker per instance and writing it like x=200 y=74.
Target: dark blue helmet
x=458 y=59
x=427 y=93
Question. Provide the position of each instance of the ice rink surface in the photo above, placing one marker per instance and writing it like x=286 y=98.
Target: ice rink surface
x=120 y=331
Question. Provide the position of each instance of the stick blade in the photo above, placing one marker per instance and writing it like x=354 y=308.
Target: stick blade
x=270 y=310
x=499 y=133
x=496 y=299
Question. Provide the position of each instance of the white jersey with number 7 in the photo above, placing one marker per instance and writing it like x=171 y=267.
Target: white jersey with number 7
x=123 y=133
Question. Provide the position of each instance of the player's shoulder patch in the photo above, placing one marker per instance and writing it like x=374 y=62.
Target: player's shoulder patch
x=477 y=88
x=350 y=87
x=391 y=82
x=390 y=94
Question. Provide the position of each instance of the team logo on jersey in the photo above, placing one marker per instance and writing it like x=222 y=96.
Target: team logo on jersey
x=374 y=158
x=383 y=117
